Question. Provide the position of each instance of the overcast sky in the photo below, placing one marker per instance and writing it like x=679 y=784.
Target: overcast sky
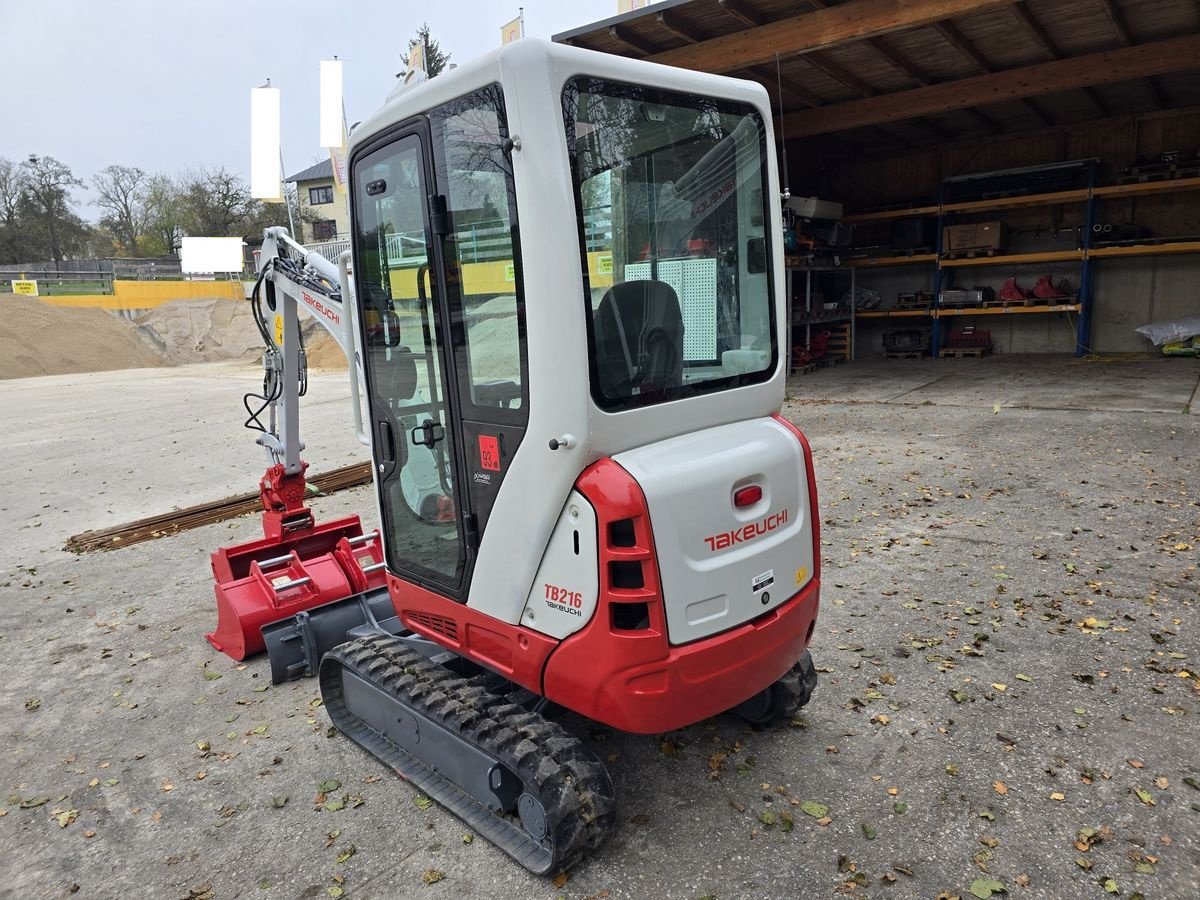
x=164 y=84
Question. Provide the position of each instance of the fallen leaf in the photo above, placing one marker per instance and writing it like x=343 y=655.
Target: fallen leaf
x=346 y=854
x=1000 y=787
x=560 y=879
x=421 y=802
x=468 y=838
x=814 y=809
x=326 y=787
x=66 y=817
x=824 y=821
x=1145 y=796
x=1059 y=796
x=1021 y=676
x=433 y=876
x=870 y=832
x=334 y=891
x=985 y=887
x=1162 y=783
x=1000 y=687
x=1136 y=763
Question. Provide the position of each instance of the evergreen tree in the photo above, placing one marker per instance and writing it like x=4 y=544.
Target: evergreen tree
x=435 y=60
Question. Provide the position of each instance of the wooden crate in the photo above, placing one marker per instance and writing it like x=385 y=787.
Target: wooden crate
x=838 y=348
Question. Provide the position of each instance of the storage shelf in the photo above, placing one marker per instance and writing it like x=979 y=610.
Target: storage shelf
x=1146 y=249
x=802 y=321
x=1003 y=259
x=1076 y=196
x=892 y=313
x=1141 y=189
x=1138 y=189
x=1005 y=310
x=889 y=214
x=877 y=262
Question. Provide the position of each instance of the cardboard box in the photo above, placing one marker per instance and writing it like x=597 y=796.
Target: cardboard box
x=976 y=236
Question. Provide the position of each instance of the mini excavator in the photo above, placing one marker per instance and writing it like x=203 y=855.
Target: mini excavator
x=564 y=311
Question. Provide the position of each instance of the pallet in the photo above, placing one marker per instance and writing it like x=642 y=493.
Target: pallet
x=964 y=352
x=1033 y=301
x=904 y=354
x=972 y=253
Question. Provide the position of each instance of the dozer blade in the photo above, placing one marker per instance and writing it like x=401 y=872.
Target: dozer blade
x=295 y=645
x=519 y=780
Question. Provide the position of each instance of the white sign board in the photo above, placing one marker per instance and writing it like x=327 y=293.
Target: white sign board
x=206 y=256
x=265 y=177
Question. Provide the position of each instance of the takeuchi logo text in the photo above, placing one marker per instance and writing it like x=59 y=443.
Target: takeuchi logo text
x=746 y=532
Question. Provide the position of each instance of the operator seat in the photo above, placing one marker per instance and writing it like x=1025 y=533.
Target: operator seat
x=639 y=340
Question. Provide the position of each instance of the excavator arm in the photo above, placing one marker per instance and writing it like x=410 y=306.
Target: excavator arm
x=299 y=563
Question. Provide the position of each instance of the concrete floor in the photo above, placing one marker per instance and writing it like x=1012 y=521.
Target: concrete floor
x=1010 y=608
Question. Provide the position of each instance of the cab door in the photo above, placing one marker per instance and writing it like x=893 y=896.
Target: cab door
x=405 y=330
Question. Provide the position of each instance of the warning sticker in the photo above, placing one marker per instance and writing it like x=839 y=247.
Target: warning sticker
x=765 y=580
x=489 y=452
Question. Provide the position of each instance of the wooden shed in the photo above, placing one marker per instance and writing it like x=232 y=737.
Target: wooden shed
x=1071 y=128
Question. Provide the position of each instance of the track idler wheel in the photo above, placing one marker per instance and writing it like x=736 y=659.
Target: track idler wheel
x=782 y=699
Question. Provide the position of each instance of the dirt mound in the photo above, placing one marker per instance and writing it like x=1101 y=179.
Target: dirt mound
x=41 y=339
x=322 y=350
x=193 y=331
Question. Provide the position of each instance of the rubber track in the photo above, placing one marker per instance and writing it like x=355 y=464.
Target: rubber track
x=573 y=786
x=789 y=694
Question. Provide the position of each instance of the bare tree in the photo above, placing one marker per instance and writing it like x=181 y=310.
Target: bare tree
x=164 y=215
x=10 y=191
x=216 y=203
x=121 y=195
x=45 y=206
x=10 y=196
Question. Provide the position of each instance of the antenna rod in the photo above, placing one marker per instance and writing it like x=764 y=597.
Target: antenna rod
x=787 y=192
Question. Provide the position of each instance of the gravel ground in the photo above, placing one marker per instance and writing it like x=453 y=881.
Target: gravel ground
x=1008 y=649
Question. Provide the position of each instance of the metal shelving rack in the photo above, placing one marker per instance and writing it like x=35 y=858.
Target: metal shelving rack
x=1091 y=196
x=797 y=264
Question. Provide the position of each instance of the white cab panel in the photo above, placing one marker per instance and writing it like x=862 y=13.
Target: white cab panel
x=722 y=565
x=565 y=591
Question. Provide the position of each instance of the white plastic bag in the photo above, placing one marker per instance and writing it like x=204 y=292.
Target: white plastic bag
x=1160 y=333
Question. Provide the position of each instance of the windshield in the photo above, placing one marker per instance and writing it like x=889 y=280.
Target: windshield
x=671 y=200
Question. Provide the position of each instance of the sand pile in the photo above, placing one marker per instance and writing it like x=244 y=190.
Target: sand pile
x=322 y=350
x=39 y=339
x=193 y=331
